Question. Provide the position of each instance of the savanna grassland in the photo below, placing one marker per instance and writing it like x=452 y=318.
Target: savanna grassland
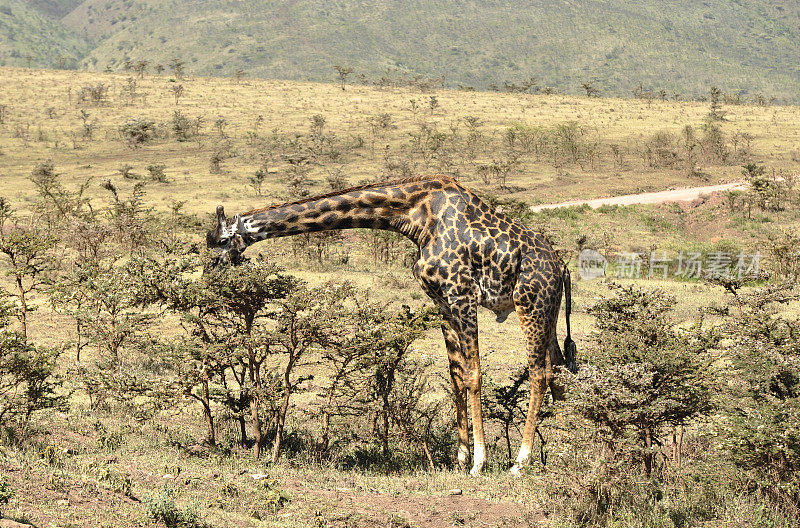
x=112 y=179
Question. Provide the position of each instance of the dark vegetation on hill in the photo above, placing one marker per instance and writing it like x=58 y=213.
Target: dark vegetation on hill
x=681 y=47
x=55 y=8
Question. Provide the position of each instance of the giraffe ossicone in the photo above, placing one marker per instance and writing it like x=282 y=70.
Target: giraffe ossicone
x=469 y=255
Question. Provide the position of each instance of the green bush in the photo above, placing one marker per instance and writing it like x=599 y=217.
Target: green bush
x=185 y=128
x=645 y=377
x=162 y=508
x=760 y=428
x=6 y=493
x=137 y=132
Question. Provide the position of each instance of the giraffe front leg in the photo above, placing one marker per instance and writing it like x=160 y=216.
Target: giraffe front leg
x=477 y=417
x=473 y=383
x=457 y=377
x=464 y=321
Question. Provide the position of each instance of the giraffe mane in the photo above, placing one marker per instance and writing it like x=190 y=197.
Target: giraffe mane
x=351 y=189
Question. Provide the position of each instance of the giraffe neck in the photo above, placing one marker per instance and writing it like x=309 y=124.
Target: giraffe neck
x=393 y=206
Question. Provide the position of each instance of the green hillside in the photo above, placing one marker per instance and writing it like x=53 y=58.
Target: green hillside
x=31 y=33
x=680 y=46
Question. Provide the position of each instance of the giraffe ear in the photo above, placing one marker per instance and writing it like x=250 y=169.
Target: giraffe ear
x=240 y=228
x=213 y=236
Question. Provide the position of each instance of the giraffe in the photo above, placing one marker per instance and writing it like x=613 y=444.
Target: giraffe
x=469 y=255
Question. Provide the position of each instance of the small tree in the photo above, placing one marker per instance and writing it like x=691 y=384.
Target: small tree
x=29 y=259
x=141 y=67
x=28 y=382
x=343 y=72
x=57 y=203
x=232 y=313
x=257 y=180
x=415 y=410
x=167 y=282
x=220 y=125
x=177 y=67
x=433 y=103
x=177 y=92
x=114 y=323
x=157 y=173
x=391 y=336
x=784 y=248
x=590 y=88
x=185 y=128
x=715 y=112
x=130 y=218
x=302 y=323
x=507 y=404
x=137 y=132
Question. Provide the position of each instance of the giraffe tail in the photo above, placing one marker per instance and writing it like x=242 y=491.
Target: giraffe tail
x=570 y=349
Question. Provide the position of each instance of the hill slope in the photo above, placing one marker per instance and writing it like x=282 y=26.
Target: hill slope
x=681 y=46
x=55 y=8
x=29 y=33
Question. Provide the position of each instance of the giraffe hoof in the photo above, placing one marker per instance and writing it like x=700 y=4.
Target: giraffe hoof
x=516 y=470
x=475 y=471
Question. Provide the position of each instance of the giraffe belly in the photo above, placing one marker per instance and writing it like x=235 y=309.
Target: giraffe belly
x=494 y=298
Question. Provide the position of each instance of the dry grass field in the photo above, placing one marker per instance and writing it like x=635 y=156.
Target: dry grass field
x=93 y=469
x=43 y=121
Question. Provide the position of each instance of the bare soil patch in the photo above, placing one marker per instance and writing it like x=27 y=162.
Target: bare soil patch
x=340 y=508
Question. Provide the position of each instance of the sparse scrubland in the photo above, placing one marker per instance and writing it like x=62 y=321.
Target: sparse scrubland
x=308 y=386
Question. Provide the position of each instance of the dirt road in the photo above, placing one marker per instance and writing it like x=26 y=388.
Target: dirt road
x=673 y=195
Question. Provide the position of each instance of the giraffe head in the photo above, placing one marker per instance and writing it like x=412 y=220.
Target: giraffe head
x=229 y=240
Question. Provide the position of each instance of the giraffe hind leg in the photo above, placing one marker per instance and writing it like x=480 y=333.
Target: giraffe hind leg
x=538 y=331
x=557 y=362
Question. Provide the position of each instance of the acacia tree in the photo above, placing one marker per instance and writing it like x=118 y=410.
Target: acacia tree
x=112 y=320
x=413 y=407
x=507 y=404
x=141 y=67
x=238 y=319
x=232 y=322
x=347 y=355
x=644 y=376
x=343 y=72
x=302 y=322
x=28 y=257
x=760 y=391
x=388 y=366
x=56 y=203
x=28 y=382
x=167 y=282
